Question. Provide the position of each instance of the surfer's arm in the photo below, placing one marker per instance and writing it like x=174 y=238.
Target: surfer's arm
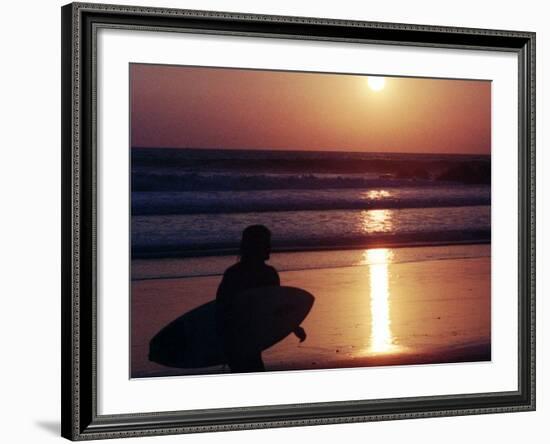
x=226 y=288
x=221 y=290
x=300 y=333
x=275 y=280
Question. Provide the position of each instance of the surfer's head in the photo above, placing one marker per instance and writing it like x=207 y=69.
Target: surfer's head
x=255 y=243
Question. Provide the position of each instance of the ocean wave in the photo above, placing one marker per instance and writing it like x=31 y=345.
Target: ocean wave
x=149 y=203
x=211 y=169
x=296 y=161
x=206 y=233
x=189 y=181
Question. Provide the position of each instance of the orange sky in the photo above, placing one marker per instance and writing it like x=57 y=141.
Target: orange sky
x=188 y=107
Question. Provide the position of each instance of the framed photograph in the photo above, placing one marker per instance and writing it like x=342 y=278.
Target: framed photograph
x=275 y=221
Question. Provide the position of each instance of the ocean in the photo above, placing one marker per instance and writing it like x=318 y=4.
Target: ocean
x=196 y=202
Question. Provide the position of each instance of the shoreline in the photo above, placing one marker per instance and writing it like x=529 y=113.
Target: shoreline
x=325 y=245
x=301 y=260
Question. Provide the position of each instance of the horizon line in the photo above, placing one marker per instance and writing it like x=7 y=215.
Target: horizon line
x=308 y=150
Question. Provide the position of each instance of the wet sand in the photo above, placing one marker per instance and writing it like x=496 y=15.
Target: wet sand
x=385 y=313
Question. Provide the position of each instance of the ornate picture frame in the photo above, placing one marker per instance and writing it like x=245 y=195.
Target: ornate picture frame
x=81 y=173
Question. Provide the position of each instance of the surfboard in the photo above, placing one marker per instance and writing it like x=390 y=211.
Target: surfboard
x=259 y=318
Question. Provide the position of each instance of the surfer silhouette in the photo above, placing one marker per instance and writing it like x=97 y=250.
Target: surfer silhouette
x=249 y=272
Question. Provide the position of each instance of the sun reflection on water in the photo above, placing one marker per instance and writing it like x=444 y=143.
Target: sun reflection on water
x=376 y=221
x=377 y=194
x=381 y=338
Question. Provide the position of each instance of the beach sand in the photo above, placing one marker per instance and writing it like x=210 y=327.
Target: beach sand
x=385 y=313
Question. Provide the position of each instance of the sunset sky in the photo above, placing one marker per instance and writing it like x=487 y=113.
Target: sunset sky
x=190 y=107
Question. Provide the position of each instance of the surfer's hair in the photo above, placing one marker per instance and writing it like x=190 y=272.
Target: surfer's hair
x=255 y=242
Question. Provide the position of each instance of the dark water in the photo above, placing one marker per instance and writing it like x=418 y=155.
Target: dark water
x=188 y=202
